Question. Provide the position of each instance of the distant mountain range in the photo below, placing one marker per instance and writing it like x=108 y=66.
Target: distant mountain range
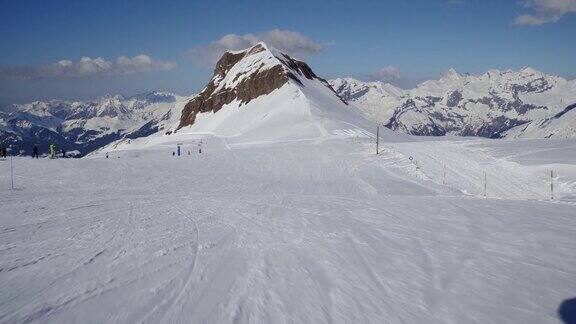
x=251 y=89
x=87 y=125
x=511 y=104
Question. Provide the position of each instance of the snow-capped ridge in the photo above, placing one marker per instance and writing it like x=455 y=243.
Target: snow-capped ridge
x=488 y=105
x=243 y=76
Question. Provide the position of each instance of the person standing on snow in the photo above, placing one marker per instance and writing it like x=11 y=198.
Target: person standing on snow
x=35 y=151
x=52 y=151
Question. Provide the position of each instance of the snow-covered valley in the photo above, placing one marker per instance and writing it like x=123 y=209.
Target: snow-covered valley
x=309 y=231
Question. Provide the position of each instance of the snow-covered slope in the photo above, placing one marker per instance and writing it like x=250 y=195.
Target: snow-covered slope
x=295 y=232
x=88 y=125
x=487 y=105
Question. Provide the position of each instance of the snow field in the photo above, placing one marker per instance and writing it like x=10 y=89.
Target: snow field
x=295 y=231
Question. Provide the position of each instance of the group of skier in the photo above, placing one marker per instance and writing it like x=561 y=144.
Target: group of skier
x=177 y=152
x=53 y=152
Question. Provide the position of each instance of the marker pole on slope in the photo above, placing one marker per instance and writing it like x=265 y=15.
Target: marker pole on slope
x=485 y=185
x=377 y=138
x=11 y=173
x=551 y=185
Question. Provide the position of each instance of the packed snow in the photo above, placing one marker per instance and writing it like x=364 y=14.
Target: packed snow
x=305 y=231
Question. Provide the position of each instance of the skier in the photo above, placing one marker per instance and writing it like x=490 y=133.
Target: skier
x=35 y=151
x=3 y=152
x=52 y=151
x=63 y=153
x=106 y=154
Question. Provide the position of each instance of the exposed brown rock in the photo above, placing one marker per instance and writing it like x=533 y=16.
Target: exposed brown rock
x=258 y=83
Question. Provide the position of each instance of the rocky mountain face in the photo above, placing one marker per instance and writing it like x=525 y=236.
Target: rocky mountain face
x=242 y=76
x=87 y=125
x=560 y=125
x=496 y=104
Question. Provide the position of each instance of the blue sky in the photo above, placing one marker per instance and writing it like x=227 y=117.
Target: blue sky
x=168 y=45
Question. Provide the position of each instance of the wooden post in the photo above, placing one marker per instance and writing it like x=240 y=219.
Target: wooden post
x=377 y=138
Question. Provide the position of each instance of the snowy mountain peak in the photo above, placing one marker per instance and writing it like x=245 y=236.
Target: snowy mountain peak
x=452 y=74
x=112 y=97
x=351 y=89
x=495 y=73
x=530 y=71
x=245 y=75
x=155 y=97
x=453 y=77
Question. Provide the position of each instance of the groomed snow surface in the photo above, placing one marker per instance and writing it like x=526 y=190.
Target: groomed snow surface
x=307 y=231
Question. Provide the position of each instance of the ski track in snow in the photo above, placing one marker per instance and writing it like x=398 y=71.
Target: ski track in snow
x=289 y=231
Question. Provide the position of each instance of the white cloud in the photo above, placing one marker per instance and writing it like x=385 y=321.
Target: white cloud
x=292 y=42
x=530 y=20
x=388 y=74
x=288 y=41
x=545 y=11
x=87 y=66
